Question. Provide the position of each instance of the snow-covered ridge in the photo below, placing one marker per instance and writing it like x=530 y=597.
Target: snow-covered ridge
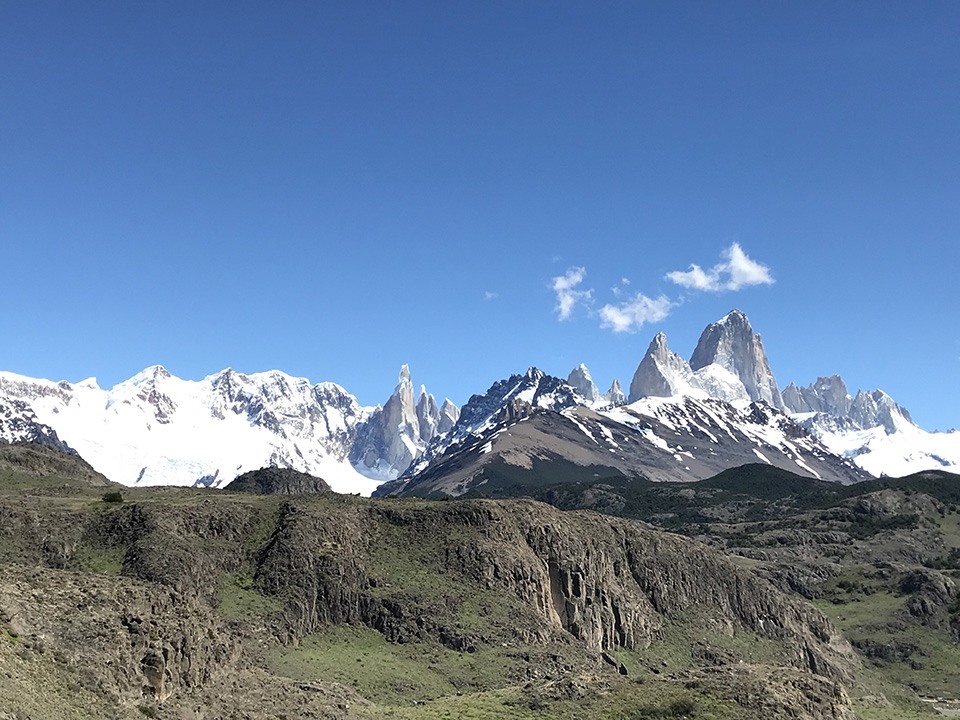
x=505 y=400
x=156 y=428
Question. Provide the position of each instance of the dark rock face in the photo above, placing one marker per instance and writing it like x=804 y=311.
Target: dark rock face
x=732 y=344
x=43 y=460
x=19 y=424
x=277 y=481
x=606 y=582
x=506 y=400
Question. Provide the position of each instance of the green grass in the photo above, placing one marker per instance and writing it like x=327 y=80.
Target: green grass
x=950 y=527
x=873 y=610
x=389 y=673
x=620 y=699
x=238 y=598
x=491 y=705
x=98 y=560
x=681 y=641
x=896 y=713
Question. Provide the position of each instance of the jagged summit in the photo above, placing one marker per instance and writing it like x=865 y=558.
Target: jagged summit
x=581 y=381
x=827 y=395
x=615 y=395
x=829 y=399
x=156 y=428
x=661 y=373
x=506 y=401
x=731 y=344
x=735 y=317
x=449 y=414
x=395 y=435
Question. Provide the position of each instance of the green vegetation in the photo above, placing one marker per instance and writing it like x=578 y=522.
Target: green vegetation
x=391 y=673
x=238 y=598
x=869 y=606
x=98 y=560
x=434 y=634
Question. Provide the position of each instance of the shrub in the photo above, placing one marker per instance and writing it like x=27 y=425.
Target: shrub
x=114 y=496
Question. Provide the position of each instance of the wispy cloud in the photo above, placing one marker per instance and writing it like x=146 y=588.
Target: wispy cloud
x=619 y=289
x=488 y=295
x=633 y=314
x=736 y=271
x=567 y=295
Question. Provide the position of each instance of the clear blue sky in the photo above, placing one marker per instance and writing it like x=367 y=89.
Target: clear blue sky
x=334 y=189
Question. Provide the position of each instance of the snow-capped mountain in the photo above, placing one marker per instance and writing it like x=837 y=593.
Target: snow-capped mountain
x=681 y=420
x=870 y=427
x=729 y=363
x=530 y=430
x=662 y=373
x=685 y=420
x=581 y=381
x=158 y=429
x=505 y=401
x=731 y=344
x=19 y=424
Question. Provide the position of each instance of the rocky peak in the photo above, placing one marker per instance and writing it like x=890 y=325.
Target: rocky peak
x=506 y=400
x=828 y=395
x=661 y=373
x=390 y=439
x=449 y=414
x=428 y=415
x=731 y=344
x=615 y=395
x=580 y=380
x=152 y=387
x=870 y=409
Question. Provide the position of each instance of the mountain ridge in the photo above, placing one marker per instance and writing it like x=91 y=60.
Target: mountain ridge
x=155 y=428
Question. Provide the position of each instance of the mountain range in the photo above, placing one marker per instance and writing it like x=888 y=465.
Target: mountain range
x=680 y=420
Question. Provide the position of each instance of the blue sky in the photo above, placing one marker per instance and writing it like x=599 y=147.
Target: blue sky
x=334 y=189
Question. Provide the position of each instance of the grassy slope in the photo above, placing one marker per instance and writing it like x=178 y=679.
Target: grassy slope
x=426 y=680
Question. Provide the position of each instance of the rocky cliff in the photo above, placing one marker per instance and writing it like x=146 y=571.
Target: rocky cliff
x=731 y=343
x=140 y=617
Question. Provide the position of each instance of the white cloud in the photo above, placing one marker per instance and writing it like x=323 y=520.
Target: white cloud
x=567 y=294
x=633 y=314
x=737 y=271
x=487 y=295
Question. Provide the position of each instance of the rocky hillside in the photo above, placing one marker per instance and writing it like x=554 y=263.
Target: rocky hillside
x=179 y=603
x=277 y=481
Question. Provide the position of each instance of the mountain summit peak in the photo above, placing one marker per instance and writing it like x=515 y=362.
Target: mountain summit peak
x=581 y=381
x=735 y=317
x=732 y=345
